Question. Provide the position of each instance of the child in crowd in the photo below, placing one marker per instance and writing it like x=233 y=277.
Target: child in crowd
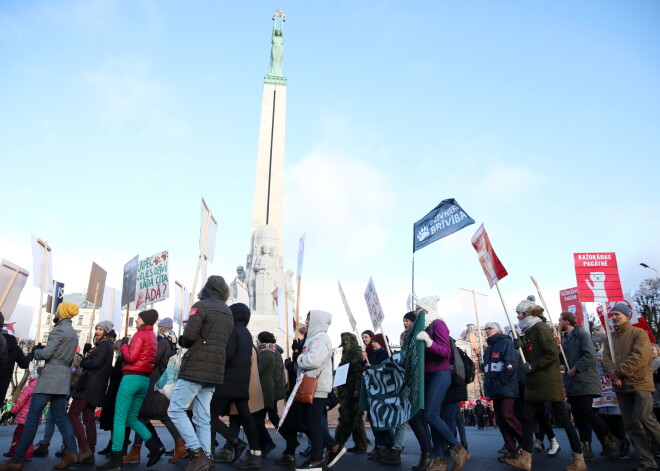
x=19 y=411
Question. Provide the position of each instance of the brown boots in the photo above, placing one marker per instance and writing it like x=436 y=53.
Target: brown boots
x=133 y=456
x=460 y=456
x=179 y=451
x=578 y=463
x=522 y=461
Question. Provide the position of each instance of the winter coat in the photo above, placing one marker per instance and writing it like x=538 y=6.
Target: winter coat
x=93 y=381
x=155 y=404
x=581 y=355
x=279 y=377
x=140 y=354
x=500 y=367
x=437 y=356
x=632 y=350
x=15 y=357
x=656 y=382
x=456 y=393
x=55 y=378
x=22 y=404
x=315 y=360
x=377 y=356
x=479 y=410
x=107 y=418
x=206 y=336
x=238 y=360
x=540 y=347
x=352 y=356
x=266 y=376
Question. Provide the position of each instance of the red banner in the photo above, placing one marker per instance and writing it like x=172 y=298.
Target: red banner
x=636 y=320
x=597 y=277
x=492 y=266
x=570 y=303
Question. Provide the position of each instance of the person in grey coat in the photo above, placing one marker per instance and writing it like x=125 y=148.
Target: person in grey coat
x=53 y=386
x=582 y=384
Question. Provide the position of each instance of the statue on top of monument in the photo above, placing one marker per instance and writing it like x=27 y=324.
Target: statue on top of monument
x=265 y=273
x=277 y=50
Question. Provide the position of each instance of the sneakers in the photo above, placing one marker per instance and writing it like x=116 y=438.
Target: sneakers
x=538 y=445
x=554 y=447
x=286 y=460
x=460 y=456
x=309 y=466
x=334 y=456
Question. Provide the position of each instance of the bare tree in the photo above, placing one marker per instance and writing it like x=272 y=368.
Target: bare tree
x=647 y=303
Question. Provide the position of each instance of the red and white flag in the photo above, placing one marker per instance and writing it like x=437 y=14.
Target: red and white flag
x=491 y=264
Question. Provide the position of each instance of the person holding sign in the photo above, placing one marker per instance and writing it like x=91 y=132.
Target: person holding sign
x=52 y=386
x=139 y=356
x=437 y=381
x=543 y=383
x=632 y=380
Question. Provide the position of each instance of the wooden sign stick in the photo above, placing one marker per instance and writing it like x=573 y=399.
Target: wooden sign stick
x=561 y=349
x=286 y=320
x=515 y=334
x=11 y=283
x=609 y=332
x=298 y=305
x=128 y=307
x=91 y=325
x=199 y=260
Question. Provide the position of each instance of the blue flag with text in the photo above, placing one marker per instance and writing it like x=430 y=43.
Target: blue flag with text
x=445 y=219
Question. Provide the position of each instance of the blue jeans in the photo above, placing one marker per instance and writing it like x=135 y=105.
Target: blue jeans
x=58 y=411
x=399 y=436
x=49 y=429
x=199 y=395
x=436 y=387
x=451 y=413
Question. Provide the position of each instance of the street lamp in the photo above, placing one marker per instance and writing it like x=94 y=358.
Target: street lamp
x=651 y=268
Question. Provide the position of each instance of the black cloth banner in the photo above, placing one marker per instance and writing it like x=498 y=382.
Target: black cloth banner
x=445 y=219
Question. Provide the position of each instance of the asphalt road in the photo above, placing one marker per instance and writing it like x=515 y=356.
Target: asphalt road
x=483 y=444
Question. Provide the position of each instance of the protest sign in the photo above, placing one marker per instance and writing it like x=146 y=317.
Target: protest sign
x=207 y=233
x=349 y=313
x=42 y=265
x=55 y=300
x=12 y=282
x=490 y=263
x=285 y=313
x=242 y=294
x=181 y=303
x=570 y=303
x=130 y=281
x=22 y=320
x=301 y=253
x=111 y=309
x=373 y=305
x=597 y=277
x=636 y=320
x=341 y=375
x=445 y=219
x=96 y=286
x=152 y=279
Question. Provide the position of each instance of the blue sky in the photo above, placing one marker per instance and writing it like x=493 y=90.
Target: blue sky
x=540 y=118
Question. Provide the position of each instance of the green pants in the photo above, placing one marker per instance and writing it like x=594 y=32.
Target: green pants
x=132 y=390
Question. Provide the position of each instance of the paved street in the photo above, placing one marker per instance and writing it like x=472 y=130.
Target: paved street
x=483 y=445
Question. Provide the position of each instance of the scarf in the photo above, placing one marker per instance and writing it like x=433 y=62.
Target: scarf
x=267 y=346
x=528 y=322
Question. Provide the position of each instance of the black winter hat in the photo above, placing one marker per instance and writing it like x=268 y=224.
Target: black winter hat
x=411 y=316
x=150 y=316
x=239 y=308
x=266 y=337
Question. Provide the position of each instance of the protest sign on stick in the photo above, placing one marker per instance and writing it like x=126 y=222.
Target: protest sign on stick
x=570 y=302
x=208 y=224
x=95 y=292
x=111 y=307
x=152 y=280
x=301 y=253
x=181 y=304
x=349 y=313
x=376 y=311
x=12 y=282
x=493 y=269
x=129 y=285
x=554 y=328
x=42 y=264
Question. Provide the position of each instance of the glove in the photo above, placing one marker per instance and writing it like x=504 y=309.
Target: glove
x=87 y=348
x=37 y=347
x=424 y=337
x=124 y=341
x=530 y=367
x=517 y=343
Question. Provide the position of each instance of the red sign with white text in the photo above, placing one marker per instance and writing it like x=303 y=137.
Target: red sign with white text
x=636 y=320
x=492 y=266
x=570 y=303
x=597 y=277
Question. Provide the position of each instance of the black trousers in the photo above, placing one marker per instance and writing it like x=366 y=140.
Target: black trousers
x=586 y=418
x=218 y=406
x=562 y=417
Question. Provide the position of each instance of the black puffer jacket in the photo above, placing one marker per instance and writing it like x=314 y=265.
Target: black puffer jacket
x=207 y=332
x=239 y=358
x=93 y=382
x=16 y=357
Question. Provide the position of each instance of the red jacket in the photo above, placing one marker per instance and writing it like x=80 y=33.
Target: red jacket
x=140 y=354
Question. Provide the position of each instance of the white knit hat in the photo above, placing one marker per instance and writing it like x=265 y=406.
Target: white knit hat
x=430 y=305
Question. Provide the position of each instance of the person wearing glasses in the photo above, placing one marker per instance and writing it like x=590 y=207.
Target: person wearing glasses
x=501 y=384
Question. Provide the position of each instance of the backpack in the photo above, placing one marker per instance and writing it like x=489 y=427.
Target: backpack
x=462 y=366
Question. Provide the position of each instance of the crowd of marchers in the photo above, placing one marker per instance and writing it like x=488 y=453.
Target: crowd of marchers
x=225 y=382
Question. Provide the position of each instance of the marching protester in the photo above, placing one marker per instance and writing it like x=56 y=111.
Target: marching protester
x=155 y=404
x=383 y=439
x=367 y=338
x=19 y=411
x=582 y=384
x=210 y=324
x=501 y=385
x=107 y=418
x=139 y=356
x=543 y=382
x=271 y=377
x=52 y=386
x=437 y=378
x=90 y=391
x=15 y=356
x=630 y=369
x=235 y=390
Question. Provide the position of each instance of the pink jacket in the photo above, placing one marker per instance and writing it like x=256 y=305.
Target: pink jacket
x=22 y=404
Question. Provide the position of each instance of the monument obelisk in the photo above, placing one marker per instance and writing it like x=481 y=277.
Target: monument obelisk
x=269 y=182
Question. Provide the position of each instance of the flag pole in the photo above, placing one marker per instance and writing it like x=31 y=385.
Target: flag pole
x=298 y=304
x=286 y=321
x=557 y=334
x=515 y=334
x=91 y=325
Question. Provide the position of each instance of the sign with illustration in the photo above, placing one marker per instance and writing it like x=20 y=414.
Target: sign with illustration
x=597 y=277
x=445 y=219
x=152 y=279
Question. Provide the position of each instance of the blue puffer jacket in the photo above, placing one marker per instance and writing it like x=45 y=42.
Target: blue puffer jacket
x=501 y=367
